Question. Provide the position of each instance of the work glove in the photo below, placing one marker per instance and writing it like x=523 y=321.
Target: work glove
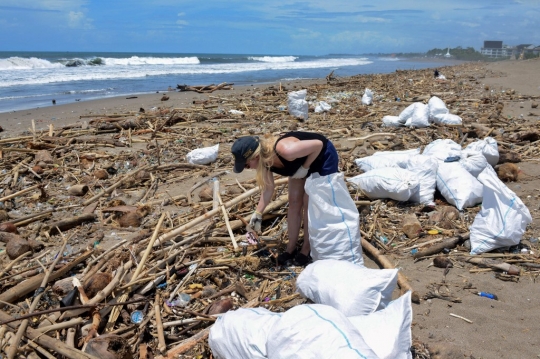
x=256 y=221
x=301 y=173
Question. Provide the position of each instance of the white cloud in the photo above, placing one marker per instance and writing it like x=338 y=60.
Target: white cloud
x=305 y=34
x=367 y=19
x=182 y=22
x=77 y=20
x=181 y=14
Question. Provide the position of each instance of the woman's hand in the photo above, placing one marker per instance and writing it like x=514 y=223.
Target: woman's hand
x=256 y=221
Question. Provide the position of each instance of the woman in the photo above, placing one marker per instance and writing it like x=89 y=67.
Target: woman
x=295 y=155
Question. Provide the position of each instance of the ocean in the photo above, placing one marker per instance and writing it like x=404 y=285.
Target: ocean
x=33 y=79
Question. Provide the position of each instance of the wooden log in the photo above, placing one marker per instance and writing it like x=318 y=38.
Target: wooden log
x=411 y=226
x=68 y=223
x=17 y=194
x=78 y=190
x=186 y=345
x=492 y=263
x=437 y=248
x=385 y=263
x=26 y=287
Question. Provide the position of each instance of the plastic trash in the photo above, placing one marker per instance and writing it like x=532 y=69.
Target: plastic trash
x=297 y=104
x=367 y=97
x=137 y=317
x=203 y=156
x=322 y=107
x=182 y=301
x=488 y=295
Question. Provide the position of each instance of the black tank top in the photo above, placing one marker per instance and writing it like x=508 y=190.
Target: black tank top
x=290 y=167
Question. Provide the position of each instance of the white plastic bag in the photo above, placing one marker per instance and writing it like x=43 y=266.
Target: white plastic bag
x=372 y=162
x=503 y=218
x=322 y=107
x=458 y=186
x=399 y=157
x=203 y=156
x=297 y=104
x=334 y=221
x=313 y=331
x=436 y=107
x=489 y=148
x=351 y=289
x=473 y=161
x=388 y=331
x=367 y=97
x=236 y=112
x=407 y=112
x=447 y=119
x=389 y=182
x=441 y=149
x=425 y=168
x=392 y=121
x=242 y=333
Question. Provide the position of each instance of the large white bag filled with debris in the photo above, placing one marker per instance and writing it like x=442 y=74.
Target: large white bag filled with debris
x=488 y=147
x=399 y=157
x=367 y=97
x=425 y=168
x=242 y=333
x=351 y=289
x=447 y=119
x=392 y=121
x=436 y=107
x=372 y=162
x=458 y=186
x=316 y=331
x=203 y=156
x=334 y=221
x=503 y=218
x=419 y=117
x=388 y=331
x=408 y=112
x=473 y=161
x=390 y=182
x=442 y=149
x=297 y=104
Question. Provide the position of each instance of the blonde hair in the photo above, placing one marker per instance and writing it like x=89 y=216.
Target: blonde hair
x=266 y=152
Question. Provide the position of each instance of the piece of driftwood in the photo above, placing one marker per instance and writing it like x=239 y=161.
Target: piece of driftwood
x=449 y=243
x=68 y=223
x=492 y=263
x=385 y=263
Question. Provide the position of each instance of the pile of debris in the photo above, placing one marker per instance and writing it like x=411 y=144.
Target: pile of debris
x=116 y=246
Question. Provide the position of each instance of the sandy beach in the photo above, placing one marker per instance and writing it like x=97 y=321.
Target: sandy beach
x=503 y=328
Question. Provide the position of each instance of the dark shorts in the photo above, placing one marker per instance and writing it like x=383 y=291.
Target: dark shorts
x=331 y=160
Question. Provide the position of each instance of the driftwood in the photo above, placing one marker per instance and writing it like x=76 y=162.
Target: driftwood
x=449 y=243
x=205 y=89
x=493 y=263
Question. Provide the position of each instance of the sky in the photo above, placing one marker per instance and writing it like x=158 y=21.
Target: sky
x=279 y=27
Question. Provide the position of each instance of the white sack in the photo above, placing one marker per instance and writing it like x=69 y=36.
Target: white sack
x=441 y=149
x=322 y=107
x=315 y=331
x=297 y=104
x=203 y=156
x=473 y=161
x=242 y=333
x=334 y=221
x=399 y=157
x=235 y=112
x=367 y=97
x=407 y=112
x=392 y=121
x=503 y=218
x=420 y=116
x=425 y=168
x=458 y=186
x=390 y=182
x=447 y=119
x=371 y=162
x=436 y=107
x=388 y=331
x=488 y=147
x=351 y=289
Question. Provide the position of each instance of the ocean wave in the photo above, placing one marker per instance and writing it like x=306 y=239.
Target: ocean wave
x=96 y=73
x=21 y=63
x=136 y=61
x=389 y=59
x=273 y=58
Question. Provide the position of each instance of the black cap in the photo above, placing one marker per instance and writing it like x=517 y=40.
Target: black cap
x=242 y=149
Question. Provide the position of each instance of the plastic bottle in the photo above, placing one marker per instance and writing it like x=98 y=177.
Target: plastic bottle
x=487 y=295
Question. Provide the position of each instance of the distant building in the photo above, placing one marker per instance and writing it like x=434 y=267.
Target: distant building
x=496 y=49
